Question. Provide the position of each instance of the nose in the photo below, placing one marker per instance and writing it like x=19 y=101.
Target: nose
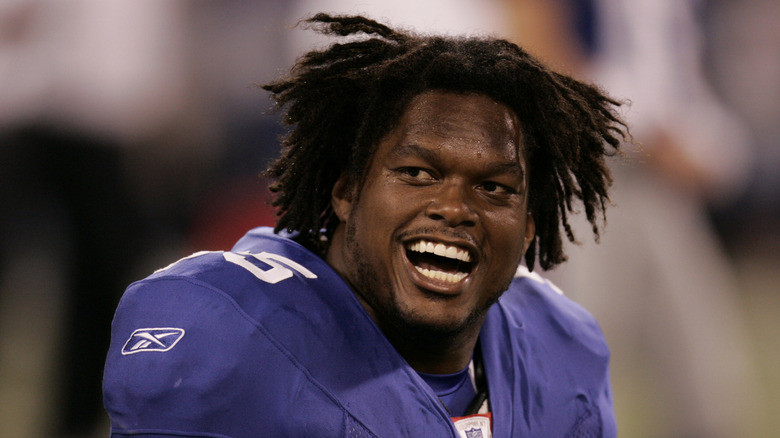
x=453 y=204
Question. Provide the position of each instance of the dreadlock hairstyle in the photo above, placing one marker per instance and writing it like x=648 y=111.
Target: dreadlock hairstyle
x=341 y=101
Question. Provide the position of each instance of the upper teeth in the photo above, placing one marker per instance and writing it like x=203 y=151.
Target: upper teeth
x=440 y=249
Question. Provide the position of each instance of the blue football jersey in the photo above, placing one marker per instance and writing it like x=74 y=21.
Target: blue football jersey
x=267 y=340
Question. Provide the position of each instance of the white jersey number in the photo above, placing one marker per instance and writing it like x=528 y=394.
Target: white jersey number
x=281 y=267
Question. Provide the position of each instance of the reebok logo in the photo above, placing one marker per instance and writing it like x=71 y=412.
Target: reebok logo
x=152 y=339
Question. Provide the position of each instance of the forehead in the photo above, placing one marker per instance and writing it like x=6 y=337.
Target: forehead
x=471 y=117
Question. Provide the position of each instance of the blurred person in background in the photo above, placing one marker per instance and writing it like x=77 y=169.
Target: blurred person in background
x=659 y=281
x=87 y=89
x=743 y=62
x=113 y=115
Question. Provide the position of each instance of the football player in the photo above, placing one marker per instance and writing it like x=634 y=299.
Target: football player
x=391 y=298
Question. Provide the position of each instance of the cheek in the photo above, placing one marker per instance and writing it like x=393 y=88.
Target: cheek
x=507 y=234
x=505 y=222
x=372 y=219
x=389 y=204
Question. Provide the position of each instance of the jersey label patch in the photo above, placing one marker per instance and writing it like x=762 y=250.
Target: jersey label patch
x=152 y=339
x=474 y=426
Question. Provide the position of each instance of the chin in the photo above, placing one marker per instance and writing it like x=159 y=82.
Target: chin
x=425 y=327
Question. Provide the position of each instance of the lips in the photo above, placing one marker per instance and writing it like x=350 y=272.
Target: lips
x=443 y=263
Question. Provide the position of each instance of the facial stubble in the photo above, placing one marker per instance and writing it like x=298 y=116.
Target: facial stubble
x=388 y=314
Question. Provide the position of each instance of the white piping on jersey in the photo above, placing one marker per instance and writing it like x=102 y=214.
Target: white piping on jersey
x=523 y=272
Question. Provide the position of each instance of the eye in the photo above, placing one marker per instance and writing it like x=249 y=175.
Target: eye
x=416 y=174
x=496 y=188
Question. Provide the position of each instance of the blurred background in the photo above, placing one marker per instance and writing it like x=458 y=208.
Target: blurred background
x=132 y=134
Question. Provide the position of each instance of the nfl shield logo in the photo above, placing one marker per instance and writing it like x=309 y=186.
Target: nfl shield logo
x=474 y=433
x=474 y=426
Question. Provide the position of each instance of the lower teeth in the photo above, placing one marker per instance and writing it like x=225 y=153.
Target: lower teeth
x=443 y=276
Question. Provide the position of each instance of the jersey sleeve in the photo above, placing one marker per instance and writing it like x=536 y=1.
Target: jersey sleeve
x=185 y=360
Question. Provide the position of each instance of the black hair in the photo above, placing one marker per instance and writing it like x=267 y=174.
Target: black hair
x=341 y=101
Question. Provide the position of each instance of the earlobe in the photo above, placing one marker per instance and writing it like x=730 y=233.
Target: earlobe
x=530 y=231
x=341 y=197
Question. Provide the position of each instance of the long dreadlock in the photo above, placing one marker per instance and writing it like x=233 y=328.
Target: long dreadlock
x=341 y=101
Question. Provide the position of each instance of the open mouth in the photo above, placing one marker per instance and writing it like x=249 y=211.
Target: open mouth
x=437 y=261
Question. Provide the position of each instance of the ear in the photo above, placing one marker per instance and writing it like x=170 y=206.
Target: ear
x=530 y=231
x=342 y=196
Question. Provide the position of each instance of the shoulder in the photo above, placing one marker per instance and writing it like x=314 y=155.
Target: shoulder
x=538 y=313
x=190 y=342
x=541 y=308
x=535 y=331
x=247 y=283
x=261 y=261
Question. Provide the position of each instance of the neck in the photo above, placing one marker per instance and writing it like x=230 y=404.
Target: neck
x=441 y=361
x=430 y=351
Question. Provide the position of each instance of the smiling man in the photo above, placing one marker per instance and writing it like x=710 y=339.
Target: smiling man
x=435 y=233
x=390 y=300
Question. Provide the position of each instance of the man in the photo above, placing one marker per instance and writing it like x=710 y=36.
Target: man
x=389 y=300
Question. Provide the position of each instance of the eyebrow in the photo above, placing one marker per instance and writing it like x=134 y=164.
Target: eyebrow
x=506 y=168
x=409 y=150
x=412 y=149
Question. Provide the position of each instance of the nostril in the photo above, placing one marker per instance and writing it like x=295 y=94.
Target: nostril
x=453 y=210
x=435 y=216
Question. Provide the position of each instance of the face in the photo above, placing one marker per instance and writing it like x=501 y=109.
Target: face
x=434 y=235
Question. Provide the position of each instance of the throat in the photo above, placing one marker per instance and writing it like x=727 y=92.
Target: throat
x=432 y=352
x=456 y=391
